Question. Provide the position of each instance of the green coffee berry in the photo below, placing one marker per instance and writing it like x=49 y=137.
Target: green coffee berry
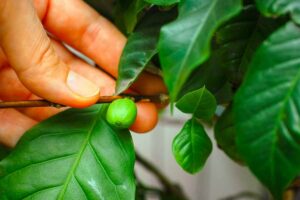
x=121 y=113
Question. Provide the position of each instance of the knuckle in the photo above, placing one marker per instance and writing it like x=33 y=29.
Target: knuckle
x=90 y=34
x=41 y=52
x=43 y=61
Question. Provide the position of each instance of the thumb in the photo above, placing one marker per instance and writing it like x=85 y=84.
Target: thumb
x=31 y=55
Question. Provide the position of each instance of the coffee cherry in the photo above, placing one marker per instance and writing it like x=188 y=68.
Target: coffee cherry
x=121 y=113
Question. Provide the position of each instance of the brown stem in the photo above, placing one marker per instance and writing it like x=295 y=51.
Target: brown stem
x=164 y=180
x=160 y=99
x=289 y=195
x=244 y=194
x=295 y=184
x=167 y=184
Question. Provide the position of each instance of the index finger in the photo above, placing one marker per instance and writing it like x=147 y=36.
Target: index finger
x=77 y=24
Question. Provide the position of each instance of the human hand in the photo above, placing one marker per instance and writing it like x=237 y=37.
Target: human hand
x=34 y=64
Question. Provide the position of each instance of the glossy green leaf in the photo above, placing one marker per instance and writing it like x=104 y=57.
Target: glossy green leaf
x=127 y=14
x=280 y=7
x=4 y=151
x=236 y=41
x=233 y=46
x=162 y=2
x=192 y=146
x=73 y=155
x=225 y=135
x=201 y=103
x=141 y=47
x=267 y=111
x=185 y=43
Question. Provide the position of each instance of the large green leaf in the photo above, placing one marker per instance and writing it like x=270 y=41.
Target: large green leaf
x=267 y=110
x=185 y=43
x=280 y=7
x=162 y=2
x=224 y=69
x=225 y=134
x=74 y=155
x=127 y=14
x=192 y=146
x=141 y=47
x=236 y=41
x=233 y=46
x=201 y=103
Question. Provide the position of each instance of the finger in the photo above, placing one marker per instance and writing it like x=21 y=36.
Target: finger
x=74 y=22
x=101 y=79
x=13 y=125
x=155 y=84
x=11 y=89
x=105 y=82
x=146 y=119
x=35 y=61
x=93 y=35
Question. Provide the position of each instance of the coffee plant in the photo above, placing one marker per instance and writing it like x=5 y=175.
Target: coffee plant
x=242 y=56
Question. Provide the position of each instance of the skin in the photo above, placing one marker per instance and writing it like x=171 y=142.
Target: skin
x=147 y=117
x=35 y=65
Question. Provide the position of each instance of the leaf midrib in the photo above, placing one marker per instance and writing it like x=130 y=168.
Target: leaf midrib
x=277 y=124
x=183 y=63
x=76 y=163
x=199 y=100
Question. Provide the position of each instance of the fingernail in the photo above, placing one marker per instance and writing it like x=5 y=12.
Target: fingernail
x=81 y=86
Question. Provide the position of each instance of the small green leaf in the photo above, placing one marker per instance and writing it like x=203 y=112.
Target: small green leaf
x=127 y=14
x=185 y=43
x=73 y=155
x=162 y=2
x=225 y=134
x=267 y=111
x=141 y=47
x=280 y=7
x=192 y=146
x=201 y=103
